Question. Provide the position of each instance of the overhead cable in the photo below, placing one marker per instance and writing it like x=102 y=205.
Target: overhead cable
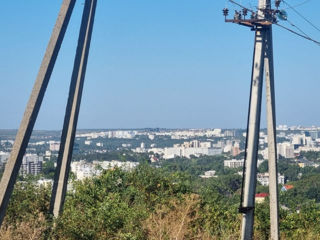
x=304 y=18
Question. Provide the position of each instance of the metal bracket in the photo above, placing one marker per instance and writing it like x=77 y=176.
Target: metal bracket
x=245 y=209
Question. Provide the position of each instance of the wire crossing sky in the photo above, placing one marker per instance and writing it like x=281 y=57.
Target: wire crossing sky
x=168 y=63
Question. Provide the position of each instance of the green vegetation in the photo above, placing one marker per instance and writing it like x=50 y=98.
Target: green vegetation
x=167 y=202
x=290 y=169
x=48 y=169
x=147 y=203
x=197 y=166
x=311 y=156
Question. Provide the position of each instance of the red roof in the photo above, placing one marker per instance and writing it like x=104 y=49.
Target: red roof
x=262 y=195
x=288 y=186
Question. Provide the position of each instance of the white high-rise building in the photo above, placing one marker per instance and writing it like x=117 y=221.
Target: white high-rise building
x=263 y=178
x=286 y=150
x=4 y=156
x=54 y=146
x=31 y=164
x=187 y=149
x=299 y=139
x=235 y=163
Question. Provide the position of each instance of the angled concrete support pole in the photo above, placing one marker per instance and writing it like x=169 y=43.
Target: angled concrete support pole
x=250 y=173
x=272 y=144
x=263 y=58
x=72 y=110
x=30 y=115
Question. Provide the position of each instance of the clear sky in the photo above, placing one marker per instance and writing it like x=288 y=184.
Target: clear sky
x=155 y=63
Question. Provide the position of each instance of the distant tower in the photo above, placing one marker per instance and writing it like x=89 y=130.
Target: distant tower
x=235 y=149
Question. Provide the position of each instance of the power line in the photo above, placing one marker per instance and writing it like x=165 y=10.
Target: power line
x=304 y=18
x=240 y=5
x=300 y=4
x=294 y=32
x=299 y=29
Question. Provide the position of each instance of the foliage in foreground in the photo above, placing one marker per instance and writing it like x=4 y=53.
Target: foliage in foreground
x=147 y=203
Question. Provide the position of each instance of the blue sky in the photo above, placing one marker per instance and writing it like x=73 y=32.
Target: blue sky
x=155 y=63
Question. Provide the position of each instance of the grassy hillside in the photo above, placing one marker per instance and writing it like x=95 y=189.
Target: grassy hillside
x=149 y=203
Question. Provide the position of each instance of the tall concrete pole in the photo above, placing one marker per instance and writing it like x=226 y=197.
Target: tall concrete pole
x=253 y=138
x=72 y=110
x=272 y=150
x=250 y=173
x=30 y=115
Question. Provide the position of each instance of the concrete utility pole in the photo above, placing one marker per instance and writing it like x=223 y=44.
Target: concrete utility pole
x=272 y=137
x=72 y=110
x=250 y=174
x=26 y=127
x=261 y=22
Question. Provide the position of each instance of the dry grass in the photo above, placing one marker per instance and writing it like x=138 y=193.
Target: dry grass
x=179 y=220
x=173 y=221
x=31 y=230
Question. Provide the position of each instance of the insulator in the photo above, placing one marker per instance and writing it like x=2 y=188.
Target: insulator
x=237 y=15
x=282 y=15
x=274 y=19
x=225 y=12
x=253 y=15
x=245 y=12
x=277 y=3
